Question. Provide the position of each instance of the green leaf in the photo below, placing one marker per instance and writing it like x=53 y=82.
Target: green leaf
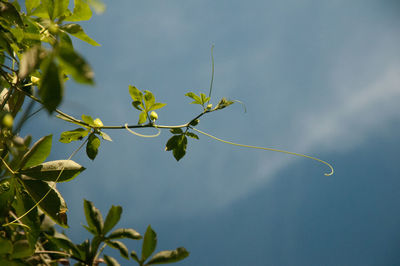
x=75 y=65
x=149 y=243
x=105 y=136
x=180 y=149
x=176 y=131
x=157 y=106
x=55 y=171
x=135 y=256
x=31 y=4
x=196 y=98
x=73 y=135
x=30 y=61
x=169 y=256
x=6 y=246
x=192 y=135
x=123 y=250
x=60 y=8
x=78 y=32
x=93 y=217
x=65 y=243
x=51 y=87
x=22 y=249
x=53 y=204
x=124 y=233
x=42 y=10
x=88 y=120
x=113 y=216
x=98 y=6
x=204 y=98
x=138 y=105
x=149 y=99
x=81 y=11
x=135 y=93
x=172 y=143
x=92 y=147
x=110 y=261
x=142 y=117
x=38 y=153
x=10 y=14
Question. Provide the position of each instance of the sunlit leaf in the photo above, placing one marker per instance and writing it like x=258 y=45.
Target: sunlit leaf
x=105 y=136
x=135 y=93
x=78 y=32
x=81 y=11
x=142 y=117
x=196 y=98
x=88 y=120
x=168 y=256
x=113 y=216
x=149 y=243
x=149 y=99
x=55 y=171
x=31 y=4
x=38 y=153
x=60 y=8
x=73 y=135
x=53 y=204
x=157 y=106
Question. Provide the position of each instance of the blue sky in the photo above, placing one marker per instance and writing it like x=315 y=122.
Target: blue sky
x=317 y=77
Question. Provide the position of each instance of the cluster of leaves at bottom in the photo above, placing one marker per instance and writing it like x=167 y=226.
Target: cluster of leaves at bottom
x=88 y=252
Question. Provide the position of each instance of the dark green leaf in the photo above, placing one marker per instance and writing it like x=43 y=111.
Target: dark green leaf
x=9 y=13
x=22 y=249
x=92 y=146
x=135 y=256
x=93 y=216
x=113 y=216
x=55 y=171
x=194 y=122
x=78 y=32
x=38 y=153
x=124 y=233
x=123 y=250
x=149 y=243
x=65 y=40
x=6 y=246
x=157 y=106
x=138 y=105
x=90 y=230
x=176 y=131
x=81 y=11
x=142 y=117
x=65 y=243
x=192 y=135
x=180 y=150
x=73 y=135
x=168 y=256
x=75 y=65
x=172 y=143
x=135 y=93
x=110 y=261
x=51 y=87
x=53 y=204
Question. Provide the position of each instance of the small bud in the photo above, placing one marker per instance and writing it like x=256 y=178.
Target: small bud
x=153 y=116
x=97 y=122
x=7 y=121
x=194 y=122
x=35 y=80
x=209 y=106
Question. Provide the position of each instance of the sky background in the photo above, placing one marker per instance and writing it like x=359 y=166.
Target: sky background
x=317 y=77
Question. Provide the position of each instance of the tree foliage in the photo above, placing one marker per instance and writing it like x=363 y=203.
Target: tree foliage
x=37 y=58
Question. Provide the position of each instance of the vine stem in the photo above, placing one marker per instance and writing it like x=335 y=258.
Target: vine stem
x=268 y=149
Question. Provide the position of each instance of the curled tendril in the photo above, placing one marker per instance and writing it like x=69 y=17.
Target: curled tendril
x=141 y=135
x=268 y=149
